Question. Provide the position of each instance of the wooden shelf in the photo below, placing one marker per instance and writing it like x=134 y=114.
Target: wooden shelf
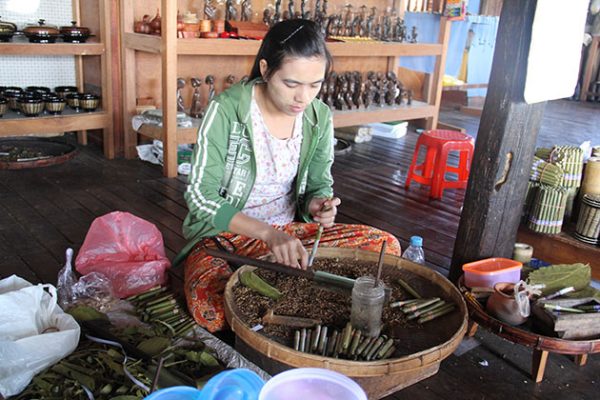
x=561 y=248
x=340 y=119
x=51 y=49
x=11 y=125
x=184 y=135
x=239 y=47
x=140 y=42
x=416 y=110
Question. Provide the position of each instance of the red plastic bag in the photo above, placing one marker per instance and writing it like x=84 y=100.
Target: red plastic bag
x=127 y=249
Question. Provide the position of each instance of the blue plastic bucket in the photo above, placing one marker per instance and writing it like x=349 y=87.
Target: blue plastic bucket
x=235 y=384
x=175 y=393
x=311 y=383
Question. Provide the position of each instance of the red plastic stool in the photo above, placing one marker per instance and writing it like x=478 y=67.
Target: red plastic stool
x=438 y=143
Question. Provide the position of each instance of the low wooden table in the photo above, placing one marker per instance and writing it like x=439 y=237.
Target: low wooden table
x=542 y=345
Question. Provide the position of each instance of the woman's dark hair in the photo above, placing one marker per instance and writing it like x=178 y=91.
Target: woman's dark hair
x=291 y=38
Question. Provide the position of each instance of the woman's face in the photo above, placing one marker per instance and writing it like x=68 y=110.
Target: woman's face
x=293 y=86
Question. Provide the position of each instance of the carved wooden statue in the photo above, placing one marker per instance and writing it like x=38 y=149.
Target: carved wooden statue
x=229 y=81
x=230 y=11
x=180 y=86
x=413 y=34
x=268 y=16
x=210 y=81
x=196 y=107
x=209 y=10
x=246 y=10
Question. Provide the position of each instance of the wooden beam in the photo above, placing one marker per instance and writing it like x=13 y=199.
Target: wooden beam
x=504 y=148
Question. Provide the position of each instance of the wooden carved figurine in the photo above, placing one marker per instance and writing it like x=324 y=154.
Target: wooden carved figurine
x=277 y=15
x=246 y=10
x=290 y=11
x=268 y=16
x=209 y=10
x=196 y=107
x=230 y=11
x=413 y=34
x=180 y=86
x=350 y=93
x=342 y=89
x=210 y=81
x=229 y=81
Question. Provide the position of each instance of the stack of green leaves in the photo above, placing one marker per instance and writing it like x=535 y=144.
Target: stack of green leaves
x=560 y=276
x=548 y=210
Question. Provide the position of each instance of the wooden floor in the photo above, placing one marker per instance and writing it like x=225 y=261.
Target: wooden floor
x=44 y=211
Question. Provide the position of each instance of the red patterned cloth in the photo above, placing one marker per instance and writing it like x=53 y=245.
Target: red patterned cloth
x=206 y=276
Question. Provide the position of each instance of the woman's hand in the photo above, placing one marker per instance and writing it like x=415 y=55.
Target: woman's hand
x=324 y=210
x=287 y=250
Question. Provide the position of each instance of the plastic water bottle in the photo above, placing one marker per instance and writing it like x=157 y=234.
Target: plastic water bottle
x=414 y=252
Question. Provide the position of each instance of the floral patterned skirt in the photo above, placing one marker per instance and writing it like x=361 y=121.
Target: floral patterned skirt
x=206 y=276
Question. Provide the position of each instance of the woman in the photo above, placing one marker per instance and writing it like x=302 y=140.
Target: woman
x=263 y=159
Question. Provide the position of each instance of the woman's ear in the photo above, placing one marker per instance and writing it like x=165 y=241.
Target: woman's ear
x=263 y=66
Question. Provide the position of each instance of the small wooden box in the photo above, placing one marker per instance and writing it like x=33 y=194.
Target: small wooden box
x=567 y=325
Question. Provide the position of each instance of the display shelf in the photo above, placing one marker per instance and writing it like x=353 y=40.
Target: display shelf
x=240 y=47
x=340 y=119
x=416 y=110
x=13 y=124
x=202 y=56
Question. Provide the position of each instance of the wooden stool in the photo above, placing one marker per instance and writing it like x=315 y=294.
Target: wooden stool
x=432 y=172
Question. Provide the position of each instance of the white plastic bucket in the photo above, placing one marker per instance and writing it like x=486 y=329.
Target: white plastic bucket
x=313 y=384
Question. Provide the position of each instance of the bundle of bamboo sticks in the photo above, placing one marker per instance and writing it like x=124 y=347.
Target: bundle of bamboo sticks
x=548 y=210
x=545 y=172
x=570 y=159
x=529 y=199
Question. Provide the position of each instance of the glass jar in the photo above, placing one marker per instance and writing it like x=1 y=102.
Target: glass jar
x=367 y=306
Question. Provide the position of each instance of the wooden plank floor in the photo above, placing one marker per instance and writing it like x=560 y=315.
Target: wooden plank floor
x=44 y=211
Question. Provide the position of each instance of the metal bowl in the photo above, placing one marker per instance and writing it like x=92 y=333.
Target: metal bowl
x=89 y=102
x=74 y=100
x=31 y=106
x=55 y=105
x=3 y=106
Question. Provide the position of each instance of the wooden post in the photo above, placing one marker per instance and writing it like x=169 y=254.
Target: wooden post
x=169 y=84
x=504 y=147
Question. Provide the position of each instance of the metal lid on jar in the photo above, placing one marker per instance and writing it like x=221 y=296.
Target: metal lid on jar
x=74 y=30
x=7 y=28
x=41 y=29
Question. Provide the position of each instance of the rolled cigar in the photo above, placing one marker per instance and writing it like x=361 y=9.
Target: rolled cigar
x=322 y=340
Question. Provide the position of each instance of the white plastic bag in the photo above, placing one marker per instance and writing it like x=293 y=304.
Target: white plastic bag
x=34 y=332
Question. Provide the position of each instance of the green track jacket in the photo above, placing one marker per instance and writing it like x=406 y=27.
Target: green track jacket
x=224 y=166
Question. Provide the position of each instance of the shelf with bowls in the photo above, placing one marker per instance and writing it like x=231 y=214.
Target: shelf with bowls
x=15 y=124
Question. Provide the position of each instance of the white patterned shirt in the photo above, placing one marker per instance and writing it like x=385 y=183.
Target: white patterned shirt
x=271 y=198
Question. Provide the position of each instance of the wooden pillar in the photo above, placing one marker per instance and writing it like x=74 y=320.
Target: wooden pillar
x=504 y=147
